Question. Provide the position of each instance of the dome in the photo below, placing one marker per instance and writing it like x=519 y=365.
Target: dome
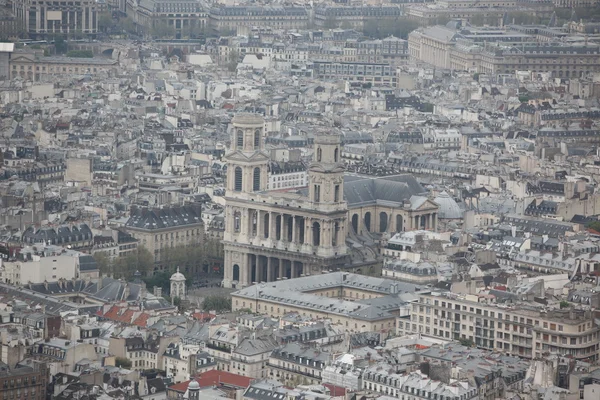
x=194 y=385
x=178 y=276
x=449 y=209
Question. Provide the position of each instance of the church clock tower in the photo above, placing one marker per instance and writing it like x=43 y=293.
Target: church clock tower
x=326 y=192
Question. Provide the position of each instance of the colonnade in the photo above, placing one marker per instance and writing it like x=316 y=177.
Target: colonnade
x=286 y=227
x=257 y=268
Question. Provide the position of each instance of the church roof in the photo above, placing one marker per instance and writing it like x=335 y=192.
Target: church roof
x=449 y=209
x=362 y=191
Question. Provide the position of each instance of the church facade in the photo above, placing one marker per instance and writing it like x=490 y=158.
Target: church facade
x=274 y=235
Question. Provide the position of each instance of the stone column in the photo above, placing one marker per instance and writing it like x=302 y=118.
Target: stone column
x=259 y=231
x=269 y=269
x=308 y=231
x=245 y=270
x=280 y=268
x=294 y=227
x=259 y=270
x=273 y=225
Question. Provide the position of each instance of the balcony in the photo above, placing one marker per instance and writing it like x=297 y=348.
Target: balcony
x=294 y=371
x=218 y=348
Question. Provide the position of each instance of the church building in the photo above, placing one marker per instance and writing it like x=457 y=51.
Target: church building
x=274 y=235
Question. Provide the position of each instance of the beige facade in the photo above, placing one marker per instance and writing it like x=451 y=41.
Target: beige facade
x=236 y=18
x=520 y=331
x=32 y=67
x=147 y=226
x=46 y=17
x=337 y=296
x=276 y=235
x=183 y=17
x=440 y=47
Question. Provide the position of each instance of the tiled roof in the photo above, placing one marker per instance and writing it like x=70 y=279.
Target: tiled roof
x=215 y=377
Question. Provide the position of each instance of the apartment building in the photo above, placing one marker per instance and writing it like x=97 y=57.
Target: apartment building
x=295 y=364
x=24 y=382
x=355 y=17
x=376 y=73
x=251 y=356
x=357 y=303
x=285 y=175
x=39 y=264
x=519 y=330
x=233 y=18
x=34 y=67
x=416 y=386
x=159 y=229
x=45 y=17
x=182 y=17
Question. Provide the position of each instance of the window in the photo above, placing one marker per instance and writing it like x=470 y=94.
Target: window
x=335 y=155
x=319 y=154
x=336 y=193
x=256 y=180
x=317 y=193
x=240 y=139
x=257 y=138
x=238 y=179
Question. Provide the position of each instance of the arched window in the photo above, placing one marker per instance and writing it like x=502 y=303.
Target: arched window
x=383 y=222
x=335 y=155
x=319 y=154
x=355 y=223
x=316 y=234
x=398 y=223
x=368 y=221
x=236 y=272
x=240 y=139
x=336 y=193
x=256 y=180
x=238 y=179
x=257 y=138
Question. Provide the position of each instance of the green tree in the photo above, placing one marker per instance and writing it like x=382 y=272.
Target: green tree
x=565 y=304
x=217 y=303
x=104 y=262
x=163 y=30
x=466 y=342
x=80 y=53
x=595 y=225
x=60 y=45
x=122 y=362
x=160 y=279
x=234 y=58
x=105 y=21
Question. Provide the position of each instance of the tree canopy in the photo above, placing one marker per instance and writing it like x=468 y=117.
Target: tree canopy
x=217 y=303
x=125 y=267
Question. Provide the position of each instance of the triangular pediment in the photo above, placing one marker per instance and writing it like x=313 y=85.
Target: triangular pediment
x=21 y=59
x=427 y=205
x=247 y=157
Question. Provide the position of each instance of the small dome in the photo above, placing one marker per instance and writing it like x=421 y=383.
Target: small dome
x=178 y=276
x=194 y=385
x=449 y=209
